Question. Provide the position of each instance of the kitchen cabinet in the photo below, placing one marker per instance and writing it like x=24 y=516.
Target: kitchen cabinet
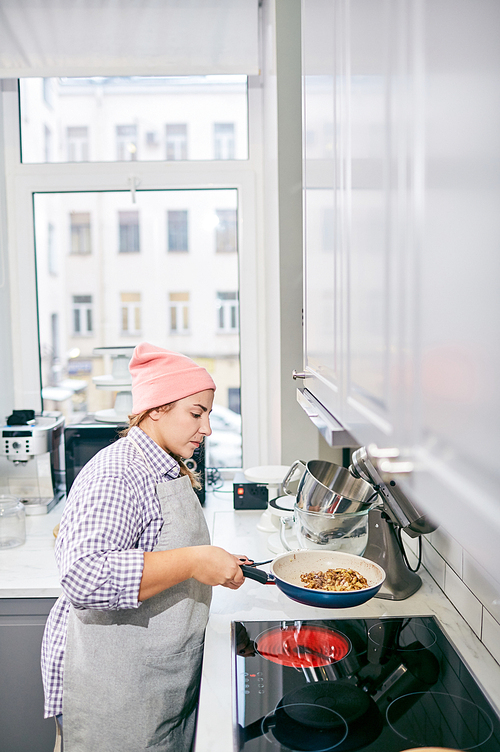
x=23 y=727
x=401 y=264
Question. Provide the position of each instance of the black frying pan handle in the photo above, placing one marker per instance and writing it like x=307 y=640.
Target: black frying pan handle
x=256 y=574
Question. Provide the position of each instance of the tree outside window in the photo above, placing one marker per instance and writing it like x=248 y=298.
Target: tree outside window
x=176 y=134
x=179 y=312
x=177 y=228
x=131 y=312
x=80 y=232
x=82 y=315
x=223 y=140
x=225 y=231
x=126 y=143
x=129 y=231
x=227 y=312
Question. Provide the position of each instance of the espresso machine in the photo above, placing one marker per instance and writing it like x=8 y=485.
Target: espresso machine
x=32 y=459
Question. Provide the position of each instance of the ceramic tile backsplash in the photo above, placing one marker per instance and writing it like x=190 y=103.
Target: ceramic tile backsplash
x=448 y=547
x=473 y=592
x=464 y=600
x=491 y=635
x=483 y=585
x=435 y=564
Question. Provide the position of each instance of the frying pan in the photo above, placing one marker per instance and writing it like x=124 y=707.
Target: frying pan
x=287 y=568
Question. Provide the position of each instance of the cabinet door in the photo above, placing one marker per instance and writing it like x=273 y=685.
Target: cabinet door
x=22 y=725
x=322 y=227
x=358 y=86
x=457 y=433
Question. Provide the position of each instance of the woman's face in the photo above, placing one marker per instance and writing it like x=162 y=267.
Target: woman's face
x=181 y=429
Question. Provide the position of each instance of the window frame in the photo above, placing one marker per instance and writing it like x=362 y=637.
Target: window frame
x=246 y=176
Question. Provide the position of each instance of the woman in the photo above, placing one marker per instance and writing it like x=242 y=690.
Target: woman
x=136 y=571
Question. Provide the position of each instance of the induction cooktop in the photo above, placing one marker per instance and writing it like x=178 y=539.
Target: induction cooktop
x=377 y=685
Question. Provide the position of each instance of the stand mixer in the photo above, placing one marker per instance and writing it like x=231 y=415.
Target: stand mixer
x=385 y=523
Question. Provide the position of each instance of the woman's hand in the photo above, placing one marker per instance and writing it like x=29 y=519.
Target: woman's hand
x=215 y=566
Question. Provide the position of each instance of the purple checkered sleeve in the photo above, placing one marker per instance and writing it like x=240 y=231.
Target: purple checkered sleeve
x=111 y=517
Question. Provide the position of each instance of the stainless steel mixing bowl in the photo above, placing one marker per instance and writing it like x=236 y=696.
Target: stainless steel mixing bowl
x=328 y=488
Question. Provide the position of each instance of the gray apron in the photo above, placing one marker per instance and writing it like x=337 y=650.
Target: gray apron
x=131 y=677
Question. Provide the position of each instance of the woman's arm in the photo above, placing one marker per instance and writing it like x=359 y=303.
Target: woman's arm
x=210 y=565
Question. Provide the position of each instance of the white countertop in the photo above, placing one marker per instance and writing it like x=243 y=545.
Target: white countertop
x=238 y=533
x=30 y=571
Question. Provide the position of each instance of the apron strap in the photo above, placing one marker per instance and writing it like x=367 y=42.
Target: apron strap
x=148 y=464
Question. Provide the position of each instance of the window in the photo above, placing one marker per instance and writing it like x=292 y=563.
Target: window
x=82 y=315
x=51 y=250
x=176 y=141
x=164 y=298
x=227 y=311
x=131 y=312
x=47 y=143
x=224 y=141
x=160 y=110
x=179 y=312
x=177 y=221
x=80 y=232
x=126 y=143
x=225 y=231
x=129 y=231
x=77 y=139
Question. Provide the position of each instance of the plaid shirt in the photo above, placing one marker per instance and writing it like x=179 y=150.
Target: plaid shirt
x=111 y=517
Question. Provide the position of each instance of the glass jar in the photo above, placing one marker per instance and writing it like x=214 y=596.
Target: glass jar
x=12 y=522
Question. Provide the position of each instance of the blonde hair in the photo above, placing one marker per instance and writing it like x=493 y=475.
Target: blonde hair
x=136 y=420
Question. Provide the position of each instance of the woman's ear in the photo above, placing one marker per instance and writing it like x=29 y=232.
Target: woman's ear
x=156 y=414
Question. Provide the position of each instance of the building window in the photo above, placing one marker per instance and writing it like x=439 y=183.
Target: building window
x=179 y=312
x=51 y=250
x=176 y=140
x=82 y=315
x=77 y=141
x=48 y=92
x=177 y=221
x=47 y=143
x=129 y=231
x=131 y=312
x=126 y=143
x=227 y=312
x=80 y=232
x=223 y=140
x=225 y=231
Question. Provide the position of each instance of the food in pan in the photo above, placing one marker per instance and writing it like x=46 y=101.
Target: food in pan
x=334 y=579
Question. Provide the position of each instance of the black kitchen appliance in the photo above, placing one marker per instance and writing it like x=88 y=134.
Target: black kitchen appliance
x=376 y=685
x=84 y=439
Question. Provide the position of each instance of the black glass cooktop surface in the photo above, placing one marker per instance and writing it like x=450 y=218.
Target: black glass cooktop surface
x=377 y=685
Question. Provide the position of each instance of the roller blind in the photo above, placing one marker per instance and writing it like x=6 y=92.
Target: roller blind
x=46 y=38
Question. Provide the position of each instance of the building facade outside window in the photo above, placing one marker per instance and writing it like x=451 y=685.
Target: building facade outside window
x=77 y=140
x=224 y=141
x=225 y=231
x=131 y=313
x=177 y=230
x=176 y=135
x=80 y=232
x=128 y=231
x=227 y=312
x=126 y=143
x=82 y=315
x=179 y=312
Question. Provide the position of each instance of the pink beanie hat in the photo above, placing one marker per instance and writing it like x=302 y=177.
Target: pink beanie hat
x=161 y=376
